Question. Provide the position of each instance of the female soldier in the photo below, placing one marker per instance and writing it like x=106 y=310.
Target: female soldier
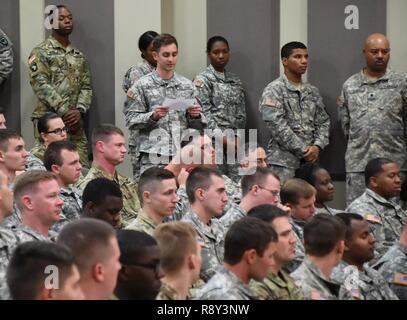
x=146 y=66
x=221 y=94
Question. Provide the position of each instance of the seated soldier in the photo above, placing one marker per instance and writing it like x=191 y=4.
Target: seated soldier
x=321 y=180
x=249 y=247
x=299 y=196
x=13 y=155
x=261 y=187
x=157 y=191
x=140 y=274
x=353 y=272
x=51 y=128
x=103 y=200
x=43 y=271
x=207 y=196
x=180 y=259
x=278 y=285
x=385 y=216
x=62 y=159
x=198 y=153
x=324 y=237
x=96 y=252
x=108 y=147
x=393 y=266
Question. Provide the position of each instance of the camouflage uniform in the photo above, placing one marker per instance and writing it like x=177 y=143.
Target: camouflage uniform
x=213 y=238
x=327 y=210
x=298 y=230
x=167 y=293
x=35 y=159
x=370 y=284
x=385 y=217
x=135 y=73
x=373 y=114
x=143 y=223
x=314 y=284
x=234 y=214
x=296 y=118
x=71 y=209
x=233 y=191
x=131 y=204
x=149 y=91
x=393 y=268
x=60 y=78
x=277 y=287
x=225 y=285
x=6 y=57
x=223 y=102
x=7 y=241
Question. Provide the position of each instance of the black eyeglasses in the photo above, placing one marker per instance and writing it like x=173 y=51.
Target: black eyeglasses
x=275 y=193
x=59 y=131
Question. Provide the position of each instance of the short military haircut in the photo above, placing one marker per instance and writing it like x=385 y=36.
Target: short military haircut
x=307 y=172
x=213 y=40
x=133 y=245
x=199 y=178
x=347 y=220
x=27 y=269
x=42 y=125
x=5 y=136
x=97 y=190
x=294 y=189
x=163 y=40
x=88 y=239
x=246 y=234
x=103 y=132
x=267 y=213
x=149 y=179
x=258 y=178
x=53 y=154
x=176 y=240
x=374 y=167
x=322 y=233
x=27 y=183
x=288 y=48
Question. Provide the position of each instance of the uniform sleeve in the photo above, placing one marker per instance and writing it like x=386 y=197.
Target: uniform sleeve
x=322 y=124
x=404 y=97
x=40 y=79
x=6 y=57
x=197 y=123
x=136 y=111
x=273 y=113
x=204 y=92
x=343 y=112
x=241 y=112
x=85 y=95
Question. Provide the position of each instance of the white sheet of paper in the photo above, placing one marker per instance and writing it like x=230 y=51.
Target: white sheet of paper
x=178 y=104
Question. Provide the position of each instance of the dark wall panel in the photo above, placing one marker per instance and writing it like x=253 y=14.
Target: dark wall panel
x=10 y=89
x=335 y=54
x=253 y=31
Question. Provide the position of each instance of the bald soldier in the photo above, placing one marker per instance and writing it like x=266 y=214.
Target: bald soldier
x=372 y=107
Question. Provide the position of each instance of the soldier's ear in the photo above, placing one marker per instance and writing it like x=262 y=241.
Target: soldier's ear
x=155 y=55
x=46 y=294
x=2 y=156
x=250 y=256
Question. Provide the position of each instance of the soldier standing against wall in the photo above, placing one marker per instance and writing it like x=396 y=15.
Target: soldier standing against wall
x=295 y=114
x=373 y=106
x=60 y=78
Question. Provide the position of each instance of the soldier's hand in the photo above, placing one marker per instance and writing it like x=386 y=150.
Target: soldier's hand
x=74 y=128
x=71 y=117
x=311 y=153
x=159 y=112
x=194 y=111
x=182 y=177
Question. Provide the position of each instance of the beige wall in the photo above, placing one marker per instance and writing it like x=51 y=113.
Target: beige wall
x=31 y=34
x=396 y=32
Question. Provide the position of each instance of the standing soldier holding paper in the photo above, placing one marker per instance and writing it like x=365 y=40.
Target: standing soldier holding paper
x=153 y=126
